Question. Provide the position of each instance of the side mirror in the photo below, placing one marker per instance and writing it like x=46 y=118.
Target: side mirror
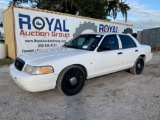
x=103 y=48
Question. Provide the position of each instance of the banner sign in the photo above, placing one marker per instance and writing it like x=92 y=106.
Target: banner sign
x=37 y=30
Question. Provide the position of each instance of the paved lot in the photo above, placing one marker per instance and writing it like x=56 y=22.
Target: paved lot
x=118 y=96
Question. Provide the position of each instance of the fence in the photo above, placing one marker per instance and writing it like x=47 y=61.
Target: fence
x=149 y=37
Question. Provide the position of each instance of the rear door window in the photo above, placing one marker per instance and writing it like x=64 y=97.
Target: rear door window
x=127 y=42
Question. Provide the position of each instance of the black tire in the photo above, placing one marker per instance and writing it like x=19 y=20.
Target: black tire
x=71 y=80
x=138 y=66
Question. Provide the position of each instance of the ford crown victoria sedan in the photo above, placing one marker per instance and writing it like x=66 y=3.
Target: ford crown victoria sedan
x=84 y=57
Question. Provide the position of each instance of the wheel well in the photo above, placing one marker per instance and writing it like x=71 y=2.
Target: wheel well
x=79 y=65
x=84 y=69
x=143 y=56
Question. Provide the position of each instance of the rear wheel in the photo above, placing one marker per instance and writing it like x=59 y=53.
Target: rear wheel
x=71 y=80
x=138 y=66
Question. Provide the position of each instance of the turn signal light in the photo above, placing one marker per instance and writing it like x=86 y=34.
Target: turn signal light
x=46 y=70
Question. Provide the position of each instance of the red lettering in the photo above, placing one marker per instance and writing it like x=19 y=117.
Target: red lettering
x=32 y=33
x=22 y=32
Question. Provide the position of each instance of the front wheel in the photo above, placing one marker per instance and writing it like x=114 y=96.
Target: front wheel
x=138 y=66
x=71 y=80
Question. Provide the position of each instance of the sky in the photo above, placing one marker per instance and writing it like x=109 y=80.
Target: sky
x=144 y=14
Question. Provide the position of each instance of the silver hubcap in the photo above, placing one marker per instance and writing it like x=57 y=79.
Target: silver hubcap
x=139 y=65
x=73 y=81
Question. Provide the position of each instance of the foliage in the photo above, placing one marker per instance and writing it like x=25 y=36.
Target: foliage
x=6 y=61
x=1 y=25
x=134 y=35
x=124 y=8
x=19 y=1
x=1 y=41
x=90 y=8
x=64 y=6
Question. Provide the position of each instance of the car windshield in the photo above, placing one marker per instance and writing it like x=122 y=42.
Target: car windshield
x=85 y=42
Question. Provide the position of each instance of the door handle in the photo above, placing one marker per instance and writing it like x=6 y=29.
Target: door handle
x=136 y=50
x=120 y=53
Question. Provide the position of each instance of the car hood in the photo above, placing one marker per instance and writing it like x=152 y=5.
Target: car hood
x=52 y=54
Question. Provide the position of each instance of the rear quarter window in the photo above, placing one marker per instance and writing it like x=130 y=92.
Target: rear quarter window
x=127 y=42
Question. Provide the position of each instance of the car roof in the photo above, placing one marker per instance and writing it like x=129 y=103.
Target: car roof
x=103 y=33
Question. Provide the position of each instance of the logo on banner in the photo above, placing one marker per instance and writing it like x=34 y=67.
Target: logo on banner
x=52 y=26
x=38 y=23
x=108 y=28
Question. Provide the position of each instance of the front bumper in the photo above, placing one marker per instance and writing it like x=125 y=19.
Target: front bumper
x=33 y=83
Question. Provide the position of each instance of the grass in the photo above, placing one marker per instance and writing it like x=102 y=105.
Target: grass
x=6 y=61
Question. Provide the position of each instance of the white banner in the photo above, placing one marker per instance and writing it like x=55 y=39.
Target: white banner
x=37 y=30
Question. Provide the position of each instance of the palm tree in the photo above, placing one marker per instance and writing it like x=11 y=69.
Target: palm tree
x=124 y=8
x=115 y=6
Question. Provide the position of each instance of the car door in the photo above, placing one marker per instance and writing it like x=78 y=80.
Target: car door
x=129 y=50
x=110 y=59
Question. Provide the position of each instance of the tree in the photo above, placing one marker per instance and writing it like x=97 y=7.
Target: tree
x=134 y=35
x=64 y=6
x=115 y=6
x=90 y=8
x=103 y=8
x=1 y=25
x=124 y=8
x=14 y=2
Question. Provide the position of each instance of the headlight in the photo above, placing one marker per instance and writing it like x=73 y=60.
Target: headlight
x=36 y=70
